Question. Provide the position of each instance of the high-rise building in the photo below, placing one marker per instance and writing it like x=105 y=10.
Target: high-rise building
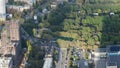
x=10 y=46
x=2 y=10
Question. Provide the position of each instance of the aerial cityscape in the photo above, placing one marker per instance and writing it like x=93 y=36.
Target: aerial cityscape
x=59 y=33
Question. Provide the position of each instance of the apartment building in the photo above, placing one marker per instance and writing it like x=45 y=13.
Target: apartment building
x=30 y=2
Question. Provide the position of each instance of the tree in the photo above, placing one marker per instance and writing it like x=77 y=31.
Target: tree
x=34 y=32
x=44 y=24
x=57 y=16
x=11 y=1
x=40 y=8
x=29 y=46
x=90 y=41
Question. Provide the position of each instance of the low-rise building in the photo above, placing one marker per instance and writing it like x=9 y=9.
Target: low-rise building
x=95 y=14
x=108 y=57
x=53 y=5
x=48 y=62
x=111 y=65
x=30 y=2
x=113 y=56
x=112 y=13
x=18 y=8
x=44 y=11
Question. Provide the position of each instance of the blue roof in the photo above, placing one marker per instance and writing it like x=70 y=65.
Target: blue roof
x=115 y=48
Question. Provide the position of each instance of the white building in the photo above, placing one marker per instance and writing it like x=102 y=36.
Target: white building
x=95 y=14
x=35 y=17
x=6 y=62
x=112 y=13
x=53 y=5
x=2 y=10
x=48 y=62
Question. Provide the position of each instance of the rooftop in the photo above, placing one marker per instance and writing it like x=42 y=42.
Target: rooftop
x=113 y=56
x=113 y=48
x=5 y=61
x=111 y=64
x=47 y=63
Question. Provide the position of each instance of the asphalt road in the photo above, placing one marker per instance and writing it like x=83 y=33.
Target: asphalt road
x=83 y=63
x=100 y=63
x=62 y=63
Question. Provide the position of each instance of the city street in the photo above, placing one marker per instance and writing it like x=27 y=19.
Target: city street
x=100 y=63
x=83 y=64
x=62 y=63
